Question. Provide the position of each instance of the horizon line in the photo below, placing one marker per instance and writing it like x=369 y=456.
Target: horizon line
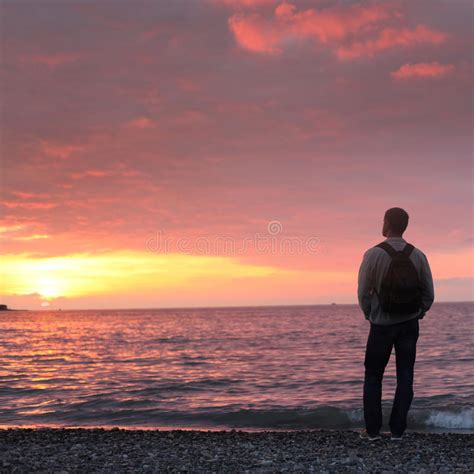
x=214 y=307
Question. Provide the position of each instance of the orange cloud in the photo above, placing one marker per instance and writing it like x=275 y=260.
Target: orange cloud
x=391 y=38
x=32 y=237
x=27 y=205
x=26 y=195
x=338 y=27
x=420 y=70
x=6 y=229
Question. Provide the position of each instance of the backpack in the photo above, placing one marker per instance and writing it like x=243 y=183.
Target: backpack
x=400 y=293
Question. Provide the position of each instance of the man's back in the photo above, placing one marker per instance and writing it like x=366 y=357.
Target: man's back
x=392 y=330
x=372 y=271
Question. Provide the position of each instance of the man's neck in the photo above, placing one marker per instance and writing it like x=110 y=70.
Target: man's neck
x=393 y=236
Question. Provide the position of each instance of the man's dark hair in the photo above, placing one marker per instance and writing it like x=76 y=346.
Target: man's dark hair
x=397 y=219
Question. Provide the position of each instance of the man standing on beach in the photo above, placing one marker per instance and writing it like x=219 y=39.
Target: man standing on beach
x=395 y=290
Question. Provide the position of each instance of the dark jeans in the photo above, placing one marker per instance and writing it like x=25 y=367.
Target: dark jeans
x=379 y=347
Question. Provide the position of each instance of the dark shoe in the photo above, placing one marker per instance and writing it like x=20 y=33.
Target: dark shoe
x=396 y=437
x=371 y=437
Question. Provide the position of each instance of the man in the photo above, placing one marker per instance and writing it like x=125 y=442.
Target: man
x=393 y=318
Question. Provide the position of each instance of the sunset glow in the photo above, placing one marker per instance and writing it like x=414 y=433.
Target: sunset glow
x=261 y=140
x=120 y=272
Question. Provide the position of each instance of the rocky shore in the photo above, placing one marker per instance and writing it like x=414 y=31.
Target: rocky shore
x=99 y=450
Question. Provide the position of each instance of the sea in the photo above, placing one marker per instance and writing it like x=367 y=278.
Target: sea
x=248 y=368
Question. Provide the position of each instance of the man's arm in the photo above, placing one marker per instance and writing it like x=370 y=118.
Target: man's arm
x=365 y=284
x=427 y=288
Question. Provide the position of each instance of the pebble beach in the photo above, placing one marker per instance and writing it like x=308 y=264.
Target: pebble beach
x=119 y=450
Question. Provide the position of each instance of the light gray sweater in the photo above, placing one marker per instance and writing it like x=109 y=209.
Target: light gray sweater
x=372 y=270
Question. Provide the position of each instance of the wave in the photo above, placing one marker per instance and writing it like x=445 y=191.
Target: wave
x=329 y=417
x=144 y=415
x=459 y=420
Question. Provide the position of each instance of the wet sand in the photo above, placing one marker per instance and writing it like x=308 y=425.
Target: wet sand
x=99 y=450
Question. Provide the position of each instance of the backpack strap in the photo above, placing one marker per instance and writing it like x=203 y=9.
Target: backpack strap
x=408 y=249
x=388 y=248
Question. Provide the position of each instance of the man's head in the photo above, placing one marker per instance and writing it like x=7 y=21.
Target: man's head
x=395 y=222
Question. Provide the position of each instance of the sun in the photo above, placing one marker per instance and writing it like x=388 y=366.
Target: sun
x=49 y=287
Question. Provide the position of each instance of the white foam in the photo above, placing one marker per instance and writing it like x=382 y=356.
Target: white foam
x=461 y=420
x=355 y=415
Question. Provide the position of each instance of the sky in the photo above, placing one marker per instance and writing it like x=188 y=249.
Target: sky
x=229 y=152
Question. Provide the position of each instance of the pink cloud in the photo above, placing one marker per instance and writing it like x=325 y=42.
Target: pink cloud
x=285 y=10
x=421 y=70
x=186 y=131
x=255 y=34
x=141 y=123
x=336 y=23
x=320 y=123
x=60 y=150
x=244 y=3
x=90 y=173
x=191 y=117
x=131 y=173
x=188 y=85
x=52 y=60
x=339 y=27
x=392 y=38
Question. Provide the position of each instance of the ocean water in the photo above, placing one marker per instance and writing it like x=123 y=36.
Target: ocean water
x=245 y=368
